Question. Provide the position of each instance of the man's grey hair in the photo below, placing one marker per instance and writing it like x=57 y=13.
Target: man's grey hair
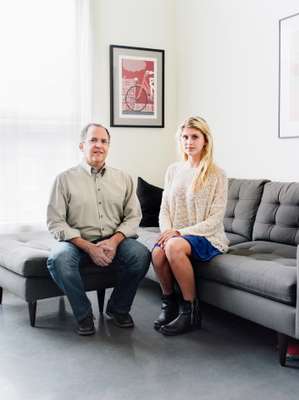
x=85 y=130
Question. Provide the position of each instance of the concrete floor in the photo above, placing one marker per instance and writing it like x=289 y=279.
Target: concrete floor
x=228 y=359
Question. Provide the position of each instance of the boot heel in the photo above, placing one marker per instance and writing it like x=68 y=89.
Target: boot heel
x=196 y=315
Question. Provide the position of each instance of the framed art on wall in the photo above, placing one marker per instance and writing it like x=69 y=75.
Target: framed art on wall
x=136 y=87
x=288 y=115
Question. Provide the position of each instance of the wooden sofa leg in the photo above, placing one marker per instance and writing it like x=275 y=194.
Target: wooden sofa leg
x=282 y=348
x=1 y=293
x=101 y=299
x=32 y=312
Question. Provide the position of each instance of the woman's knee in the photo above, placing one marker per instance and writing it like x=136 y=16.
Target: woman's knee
x=158 y=258
x=174 y=249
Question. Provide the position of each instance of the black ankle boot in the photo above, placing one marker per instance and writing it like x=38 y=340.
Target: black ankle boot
x=189 y=318
x=169 y=311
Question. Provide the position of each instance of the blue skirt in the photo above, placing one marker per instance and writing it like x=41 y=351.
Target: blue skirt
x=201 y=248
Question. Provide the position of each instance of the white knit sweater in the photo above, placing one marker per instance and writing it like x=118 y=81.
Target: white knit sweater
x=200 y=213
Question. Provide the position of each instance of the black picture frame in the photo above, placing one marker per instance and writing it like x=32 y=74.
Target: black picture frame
x=136 y=87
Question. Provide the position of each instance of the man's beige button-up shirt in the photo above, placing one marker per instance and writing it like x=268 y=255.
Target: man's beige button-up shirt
x=92 y=205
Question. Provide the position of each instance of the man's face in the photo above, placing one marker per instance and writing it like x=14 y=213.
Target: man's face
x=95 y=147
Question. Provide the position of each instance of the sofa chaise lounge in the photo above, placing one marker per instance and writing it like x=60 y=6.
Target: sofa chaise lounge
x=23 y=269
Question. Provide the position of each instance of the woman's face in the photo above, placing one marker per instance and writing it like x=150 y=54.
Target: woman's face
x=193 y=142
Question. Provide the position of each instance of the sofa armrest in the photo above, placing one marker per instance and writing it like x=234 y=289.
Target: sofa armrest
x=297 y=299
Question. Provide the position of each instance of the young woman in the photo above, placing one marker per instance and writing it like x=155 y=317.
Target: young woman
x=191 y=224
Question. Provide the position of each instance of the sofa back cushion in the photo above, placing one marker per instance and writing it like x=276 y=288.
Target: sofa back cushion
x=277 y=219
x=244 y=197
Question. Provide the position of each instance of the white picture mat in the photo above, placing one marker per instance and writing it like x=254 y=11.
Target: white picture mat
x=289 y=77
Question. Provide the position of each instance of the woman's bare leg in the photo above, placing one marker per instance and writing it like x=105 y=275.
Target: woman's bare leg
x=169 y=306
x=162 y=270
x=178 y=251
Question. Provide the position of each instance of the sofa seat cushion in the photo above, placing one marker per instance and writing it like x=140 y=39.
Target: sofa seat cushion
x=27 y=254
x=148 y=236
x=264 y=268
x=234 y=238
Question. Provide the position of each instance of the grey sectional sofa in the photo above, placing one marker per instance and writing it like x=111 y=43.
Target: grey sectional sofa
x=256 y=279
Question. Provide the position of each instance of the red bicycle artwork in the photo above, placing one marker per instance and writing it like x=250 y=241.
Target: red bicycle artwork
x=138 y=86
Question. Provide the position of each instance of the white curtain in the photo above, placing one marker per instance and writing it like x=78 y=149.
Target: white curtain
x=45 y=99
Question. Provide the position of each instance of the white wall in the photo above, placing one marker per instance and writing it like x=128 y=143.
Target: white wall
x=228 y=73
x=140 y=151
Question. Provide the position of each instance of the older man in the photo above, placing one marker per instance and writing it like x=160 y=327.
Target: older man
x=93 y=210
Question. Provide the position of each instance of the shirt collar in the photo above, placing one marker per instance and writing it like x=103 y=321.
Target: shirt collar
x=91 y=170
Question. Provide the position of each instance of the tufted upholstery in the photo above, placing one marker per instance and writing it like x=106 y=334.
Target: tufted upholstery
x=243 y=199
x=26 y=254
x=277 y=219
x=23 y=268
x=263 y=268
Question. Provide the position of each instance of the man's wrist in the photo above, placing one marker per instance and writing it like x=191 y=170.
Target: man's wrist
x=117 y=238
x=82 y=244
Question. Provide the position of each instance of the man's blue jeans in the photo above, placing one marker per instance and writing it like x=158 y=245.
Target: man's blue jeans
x=131 y=263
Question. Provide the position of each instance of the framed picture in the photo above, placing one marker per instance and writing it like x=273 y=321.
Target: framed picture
x=136 y=87
x=288 y=115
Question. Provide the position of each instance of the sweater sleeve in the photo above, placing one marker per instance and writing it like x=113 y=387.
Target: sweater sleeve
x=164 y=215
x=214 y=220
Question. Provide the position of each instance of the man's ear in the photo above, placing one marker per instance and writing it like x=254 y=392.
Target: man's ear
x=81 y=146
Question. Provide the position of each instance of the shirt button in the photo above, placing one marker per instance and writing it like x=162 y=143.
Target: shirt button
x=100 y=202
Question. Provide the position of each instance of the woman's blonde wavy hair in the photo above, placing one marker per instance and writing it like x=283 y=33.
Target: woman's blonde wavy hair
x=206 y=166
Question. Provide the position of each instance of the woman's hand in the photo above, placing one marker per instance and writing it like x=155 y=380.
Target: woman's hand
x=166 y=235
